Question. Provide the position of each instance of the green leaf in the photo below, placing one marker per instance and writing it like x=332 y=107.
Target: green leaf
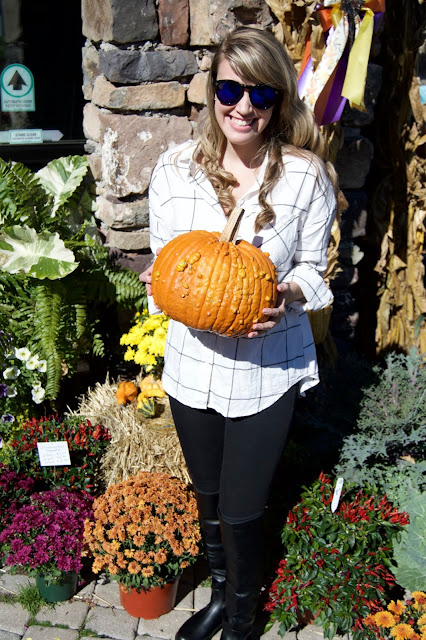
x=410 y=548
x=40 y=255
x=61 y=177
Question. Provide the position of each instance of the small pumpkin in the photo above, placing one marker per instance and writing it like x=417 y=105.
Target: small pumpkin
x=146 y=406
x=207 y=282
x=126 y=392
x=152 y=387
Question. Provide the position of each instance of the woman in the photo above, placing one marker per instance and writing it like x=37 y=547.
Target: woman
x=232 y=398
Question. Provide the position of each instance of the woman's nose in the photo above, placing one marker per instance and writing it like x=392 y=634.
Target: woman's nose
x=244 y=105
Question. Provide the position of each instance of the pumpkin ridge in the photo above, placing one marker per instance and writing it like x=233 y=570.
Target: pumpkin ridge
x=224 y=270
x=240 y=306
x=225 y=312
x=202 y=315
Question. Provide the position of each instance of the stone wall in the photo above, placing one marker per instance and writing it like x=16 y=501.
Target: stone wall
x=145 y=67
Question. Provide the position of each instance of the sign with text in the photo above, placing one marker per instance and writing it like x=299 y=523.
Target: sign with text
x=25 y=136
x=17 y=88
x=53 y=454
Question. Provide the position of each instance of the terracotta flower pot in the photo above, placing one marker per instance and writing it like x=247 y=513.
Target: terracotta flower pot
x=149 y=603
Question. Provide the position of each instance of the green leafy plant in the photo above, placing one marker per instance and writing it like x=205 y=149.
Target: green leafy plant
x=86 y=444
x=387 y=449
x=409 y=552
x=23 y=377
x=30 y=599
x=56 y=277
x=336 y=564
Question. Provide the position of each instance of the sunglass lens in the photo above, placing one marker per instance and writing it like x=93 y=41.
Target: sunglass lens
x=229 y=92
x=263 y=97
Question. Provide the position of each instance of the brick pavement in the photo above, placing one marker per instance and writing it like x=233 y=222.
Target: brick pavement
x=96 y=611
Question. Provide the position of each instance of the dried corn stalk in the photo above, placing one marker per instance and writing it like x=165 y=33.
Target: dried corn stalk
x=400 y=197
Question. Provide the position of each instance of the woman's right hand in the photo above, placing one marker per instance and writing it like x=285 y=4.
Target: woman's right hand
x=145 y=276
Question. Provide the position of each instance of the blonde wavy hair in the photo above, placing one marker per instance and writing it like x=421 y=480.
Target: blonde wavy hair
x=258 y=57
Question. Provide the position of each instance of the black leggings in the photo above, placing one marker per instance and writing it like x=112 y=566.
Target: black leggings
x=235 y=457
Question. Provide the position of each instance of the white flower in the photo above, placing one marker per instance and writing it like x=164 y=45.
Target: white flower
x=11 y=373
x=38 y=395
x=32 y=363
x=23 y=353
x=42 y=366
x=11 y=392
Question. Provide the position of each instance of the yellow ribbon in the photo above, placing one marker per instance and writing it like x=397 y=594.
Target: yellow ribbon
x=356 y=74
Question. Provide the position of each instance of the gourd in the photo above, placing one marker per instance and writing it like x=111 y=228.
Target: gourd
x=126 y=392
x=146 y=406
x=152 y=387
x=206 y=281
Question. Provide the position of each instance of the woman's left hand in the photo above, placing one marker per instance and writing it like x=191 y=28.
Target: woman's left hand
x=287 y=292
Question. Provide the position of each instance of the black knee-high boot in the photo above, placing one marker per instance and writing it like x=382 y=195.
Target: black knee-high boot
x=243 y=545
x=205 y=623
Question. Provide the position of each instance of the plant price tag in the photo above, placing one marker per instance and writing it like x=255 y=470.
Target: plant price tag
x=53 y=454
x=336 y=495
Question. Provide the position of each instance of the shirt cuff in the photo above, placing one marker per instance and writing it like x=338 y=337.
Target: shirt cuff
x=315 y=291
x=152 y=307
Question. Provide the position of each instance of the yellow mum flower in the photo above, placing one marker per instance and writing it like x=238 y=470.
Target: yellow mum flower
x=396 y=607
x=384 y=619
x=402 y=631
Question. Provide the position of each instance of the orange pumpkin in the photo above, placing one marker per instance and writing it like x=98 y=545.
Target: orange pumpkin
x=126 y=392
x=151 y=387
x=207 y=282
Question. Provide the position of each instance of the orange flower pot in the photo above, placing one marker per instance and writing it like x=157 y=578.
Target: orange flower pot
x=149 y=603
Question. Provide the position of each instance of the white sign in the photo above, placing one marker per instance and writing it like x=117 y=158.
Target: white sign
x=25 y=136
x=336 y=495
x=17 y=88
x=53 y=454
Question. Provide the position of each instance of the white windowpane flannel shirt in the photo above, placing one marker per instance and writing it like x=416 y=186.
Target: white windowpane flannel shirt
x=242 y=376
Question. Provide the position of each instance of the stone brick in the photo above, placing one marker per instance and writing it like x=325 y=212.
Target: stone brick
x=173 y=18
x=112 y=623
x=13 y=618
x=197 y=88
x=133 y=260
x=50 y=633
x=353 y=163
x=90 y=66
x=199 y=18
x=131 y=145
x=119 y=214
x=95 y=164
x=129 y=67
x=211 y=20
x=119 y=21
x=128 y=240
x=160 y=95
x=91 y=122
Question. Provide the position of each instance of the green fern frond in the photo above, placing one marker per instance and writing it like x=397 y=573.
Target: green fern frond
x=129 y=290
x=49 y=297
x=22 y=199
x=98 y=347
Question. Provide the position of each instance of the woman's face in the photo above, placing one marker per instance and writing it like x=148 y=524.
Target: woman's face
x=242 y=124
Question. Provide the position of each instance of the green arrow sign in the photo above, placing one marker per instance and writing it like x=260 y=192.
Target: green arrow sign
x=17 y=88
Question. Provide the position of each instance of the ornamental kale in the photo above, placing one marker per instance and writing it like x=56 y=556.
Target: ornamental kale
x=46 y=536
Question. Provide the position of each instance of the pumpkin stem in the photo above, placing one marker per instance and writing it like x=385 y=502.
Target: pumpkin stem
x=231 y=227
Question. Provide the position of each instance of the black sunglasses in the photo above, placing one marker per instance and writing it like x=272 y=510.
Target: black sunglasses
x=230 y=92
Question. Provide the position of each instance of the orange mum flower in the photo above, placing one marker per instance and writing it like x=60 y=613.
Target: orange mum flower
x=147 y=572
x=369 y=620
x=419 y=597
x=422 y=620
x=134 y=567
x=384 y=619
x=402 y=631
x=396 y=607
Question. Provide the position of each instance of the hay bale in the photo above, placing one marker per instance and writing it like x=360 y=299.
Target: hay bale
x=137 y=443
